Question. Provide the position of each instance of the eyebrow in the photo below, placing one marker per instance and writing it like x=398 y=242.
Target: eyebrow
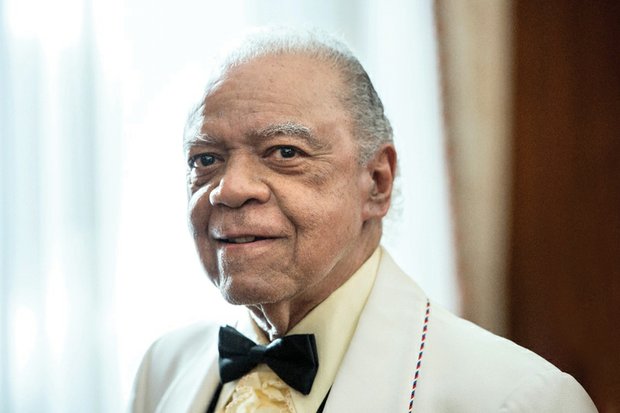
x=289 y=129
x=200 y=139
x=277 y=129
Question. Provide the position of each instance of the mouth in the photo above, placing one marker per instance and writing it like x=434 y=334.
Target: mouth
x=241 y=240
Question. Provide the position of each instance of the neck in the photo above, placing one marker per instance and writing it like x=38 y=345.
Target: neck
x=277 y=319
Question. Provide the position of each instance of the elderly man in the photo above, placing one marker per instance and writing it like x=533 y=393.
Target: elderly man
x=290 y=173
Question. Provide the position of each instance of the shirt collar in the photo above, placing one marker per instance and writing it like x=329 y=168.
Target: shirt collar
x=333 y=323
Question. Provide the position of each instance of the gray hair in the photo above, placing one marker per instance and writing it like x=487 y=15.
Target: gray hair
x=371 y=127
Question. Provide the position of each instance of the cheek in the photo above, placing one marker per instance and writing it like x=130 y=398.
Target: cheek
x=198 y=211
x=325 y=219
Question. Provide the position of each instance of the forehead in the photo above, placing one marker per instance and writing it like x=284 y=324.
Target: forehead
x=276 y=88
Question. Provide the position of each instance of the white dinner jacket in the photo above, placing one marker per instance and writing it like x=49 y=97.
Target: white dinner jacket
x=463 y=368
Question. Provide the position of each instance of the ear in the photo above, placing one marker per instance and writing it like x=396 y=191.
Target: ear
x=381 y=170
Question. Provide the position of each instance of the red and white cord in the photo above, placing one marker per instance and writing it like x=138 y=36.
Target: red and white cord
x=420 y=355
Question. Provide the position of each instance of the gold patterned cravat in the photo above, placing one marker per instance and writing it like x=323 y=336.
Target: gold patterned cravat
x=260 y=391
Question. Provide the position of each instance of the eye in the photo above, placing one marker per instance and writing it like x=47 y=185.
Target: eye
x=287 y=152
x=201 y=160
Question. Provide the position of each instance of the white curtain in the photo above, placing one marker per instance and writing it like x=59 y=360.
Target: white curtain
x=95 y=257
x=60 y=159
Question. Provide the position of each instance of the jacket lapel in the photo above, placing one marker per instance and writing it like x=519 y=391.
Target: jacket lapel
x=377 y=371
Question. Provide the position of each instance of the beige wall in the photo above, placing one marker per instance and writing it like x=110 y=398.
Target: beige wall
x=475 y=48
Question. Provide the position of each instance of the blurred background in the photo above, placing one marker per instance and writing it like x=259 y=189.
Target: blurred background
x=506 y=118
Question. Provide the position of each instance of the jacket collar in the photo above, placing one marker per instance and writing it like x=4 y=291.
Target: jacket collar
x=377 y=371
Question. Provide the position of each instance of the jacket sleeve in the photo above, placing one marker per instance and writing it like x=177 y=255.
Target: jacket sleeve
x=548 y=392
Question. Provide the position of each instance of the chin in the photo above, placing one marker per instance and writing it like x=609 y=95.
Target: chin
x=249 y=296
x=244 y=289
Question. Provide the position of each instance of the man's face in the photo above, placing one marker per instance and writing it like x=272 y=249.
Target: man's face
x=276 y=192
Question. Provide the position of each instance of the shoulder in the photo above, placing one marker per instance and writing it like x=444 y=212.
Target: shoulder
x=466 y=344
x=178 y=348
x=466 y=368
x=167 y=358
x=463 y=362
x=548 y=392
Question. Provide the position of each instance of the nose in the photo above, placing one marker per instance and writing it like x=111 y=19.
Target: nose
x=240 y=184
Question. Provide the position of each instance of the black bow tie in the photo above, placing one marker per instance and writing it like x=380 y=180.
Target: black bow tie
x=293 y=358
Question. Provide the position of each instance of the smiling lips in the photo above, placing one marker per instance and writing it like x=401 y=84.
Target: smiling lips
x=242 y=234
x=241 y=240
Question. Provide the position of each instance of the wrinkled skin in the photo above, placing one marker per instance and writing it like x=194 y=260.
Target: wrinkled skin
x=281 y=211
